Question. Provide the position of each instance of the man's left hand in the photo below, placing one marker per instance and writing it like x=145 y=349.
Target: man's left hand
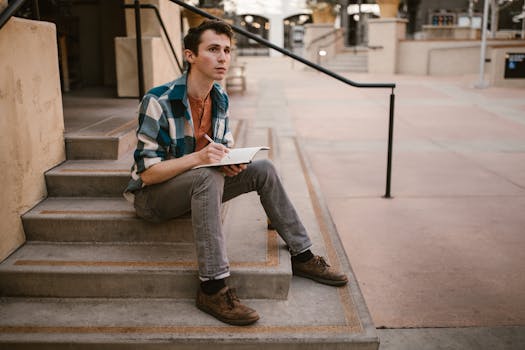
x=233 y=170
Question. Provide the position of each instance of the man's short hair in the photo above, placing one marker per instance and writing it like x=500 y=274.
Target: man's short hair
x=193 y=38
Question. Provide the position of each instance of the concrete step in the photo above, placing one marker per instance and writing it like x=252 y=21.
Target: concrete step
x=135 y=260
x=114 y=270
x=343 y=68
x=108 y=139
x=348 y=62
x=93 y=178
x=313 y=317
x=86 y=219
x=96 y=177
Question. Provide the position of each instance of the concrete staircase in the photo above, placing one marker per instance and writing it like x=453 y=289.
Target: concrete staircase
x=349 y=60
x=94 y=276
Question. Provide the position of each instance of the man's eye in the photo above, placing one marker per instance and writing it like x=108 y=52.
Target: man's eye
x=213 y=49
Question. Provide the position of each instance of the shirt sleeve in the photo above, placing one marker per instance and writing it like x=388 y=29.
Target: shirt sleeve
x=228 y=136
x=152 y=134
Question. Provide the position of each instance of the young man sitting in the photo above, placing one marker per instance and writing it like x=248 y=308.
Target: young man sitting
x=174 y=120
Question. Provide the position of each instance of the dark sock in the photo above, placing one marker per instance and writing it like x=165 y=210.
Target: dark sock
x=213 y=286
x=303 y=257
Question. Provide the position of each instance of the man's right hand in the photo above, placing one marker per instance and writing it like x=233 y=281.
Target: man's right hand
x=167 y=169
x=213 y=153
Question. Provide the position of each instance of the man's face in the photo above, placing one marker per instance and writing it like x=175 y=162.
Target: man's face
x=213 y=59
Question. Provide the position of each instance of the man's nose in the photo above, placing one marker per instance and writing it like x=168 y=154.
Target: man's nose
x=222 y=56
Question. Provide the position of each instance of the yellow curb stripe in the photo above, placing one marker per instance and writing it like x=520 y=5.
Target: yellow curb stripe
x=272 y=260
x=344 y=293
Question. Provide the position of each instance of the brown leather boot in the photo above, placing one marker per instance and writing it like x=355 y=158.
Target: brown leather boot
x=318 y=270
x=226 y=307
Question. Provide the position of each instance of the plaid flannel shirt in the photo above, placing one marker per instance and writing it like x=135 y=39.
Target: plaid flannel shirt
x=165 y=129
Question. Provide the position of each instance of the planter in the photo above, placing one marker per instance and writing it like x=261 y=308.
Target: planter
x=194 y=20
x=388 y=8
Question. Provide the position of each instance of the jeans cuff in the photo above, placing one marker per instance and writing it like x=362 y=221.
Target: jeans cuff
x=219 y=277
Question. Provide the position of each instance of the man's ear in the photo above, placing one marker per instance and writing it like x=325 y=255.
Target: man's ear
x=190 y=55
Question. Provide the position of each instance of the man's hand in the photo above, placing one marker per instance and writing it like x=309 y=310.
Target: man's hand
x=232 y=170
x=212 y=153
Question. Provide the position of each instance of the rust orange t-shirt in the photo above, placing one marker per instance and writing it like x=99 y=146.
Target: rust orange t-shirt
x=201 y=116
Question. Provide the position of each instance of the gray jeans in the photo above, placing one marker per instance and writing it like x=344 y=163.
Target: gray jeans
x=202 y=191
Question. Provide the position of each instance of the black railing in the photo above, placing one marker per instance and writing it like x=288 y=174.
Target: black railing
x=164 y=30
x=9 y=11
x=138 y=33
x=267 y=43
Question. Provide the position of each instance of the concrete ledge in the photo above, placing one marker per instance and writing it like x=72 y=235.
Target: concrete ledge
x=498 y=58
x=31 y=110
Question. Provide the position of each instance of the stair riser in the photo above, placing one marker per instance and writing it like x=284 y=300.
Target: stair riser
x=80 y=148
x=99 y=229
x=86 y=185
x=99 y=148
x=138 y=284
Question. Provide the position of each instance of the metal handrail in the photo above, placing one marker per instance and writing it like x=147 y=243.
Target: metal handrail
x=9 y=11
x=159 y=18
x=295 y=57
x=286 y=52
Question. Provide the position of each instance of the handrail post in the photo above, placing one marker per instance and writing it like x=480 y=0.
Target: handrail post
x=390 y=138
x=140 y=63
x=36 y=10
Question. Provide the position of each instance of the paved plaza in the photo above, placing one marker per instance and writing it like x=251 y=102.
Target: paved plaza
x=441 y=263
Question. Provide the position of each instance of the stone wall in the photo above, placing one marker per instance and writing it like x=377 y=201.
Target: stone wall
x=31 y=121
x=444 y=57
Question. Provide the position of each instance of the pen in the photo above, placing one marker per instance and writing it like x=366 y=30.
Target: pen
x=211 y=141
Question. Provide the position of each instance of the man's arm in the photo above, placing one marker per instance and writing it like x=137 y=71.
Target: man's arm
x=154 y=141
x=168 y=169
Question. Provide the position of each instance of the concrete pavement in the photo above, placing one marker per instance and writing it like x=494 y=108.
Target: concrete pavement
x=445 y=256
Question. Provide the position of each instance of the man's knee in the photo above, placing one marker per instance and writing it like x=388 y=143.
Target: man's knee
x=208 y=178
x=264 y=166
x=264 y=171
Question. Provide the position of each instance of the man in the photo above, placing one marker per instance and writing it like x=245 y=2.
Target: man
x=175 y=121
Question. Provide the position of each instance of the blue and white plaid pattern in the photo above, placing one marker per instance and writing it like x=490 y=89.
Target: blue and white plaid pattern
x=165 y=129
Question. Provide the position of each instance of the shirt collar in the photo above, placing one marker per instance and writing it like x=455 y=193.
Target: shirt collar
x=178 y=91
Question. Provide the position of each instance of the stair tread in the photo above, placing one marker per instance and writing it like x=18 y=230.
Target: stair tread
x=119 y=166
x=83 y=206
x=116 y=257
x=110 y=127
x=312 y=312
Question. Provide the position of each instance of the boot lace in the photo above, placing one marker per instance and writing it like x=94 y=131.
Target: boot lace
x=231 y=297
x=321 y=262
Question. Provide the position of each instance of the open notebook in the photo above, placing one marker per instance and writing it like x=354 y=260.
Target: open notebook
x=237 y=156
